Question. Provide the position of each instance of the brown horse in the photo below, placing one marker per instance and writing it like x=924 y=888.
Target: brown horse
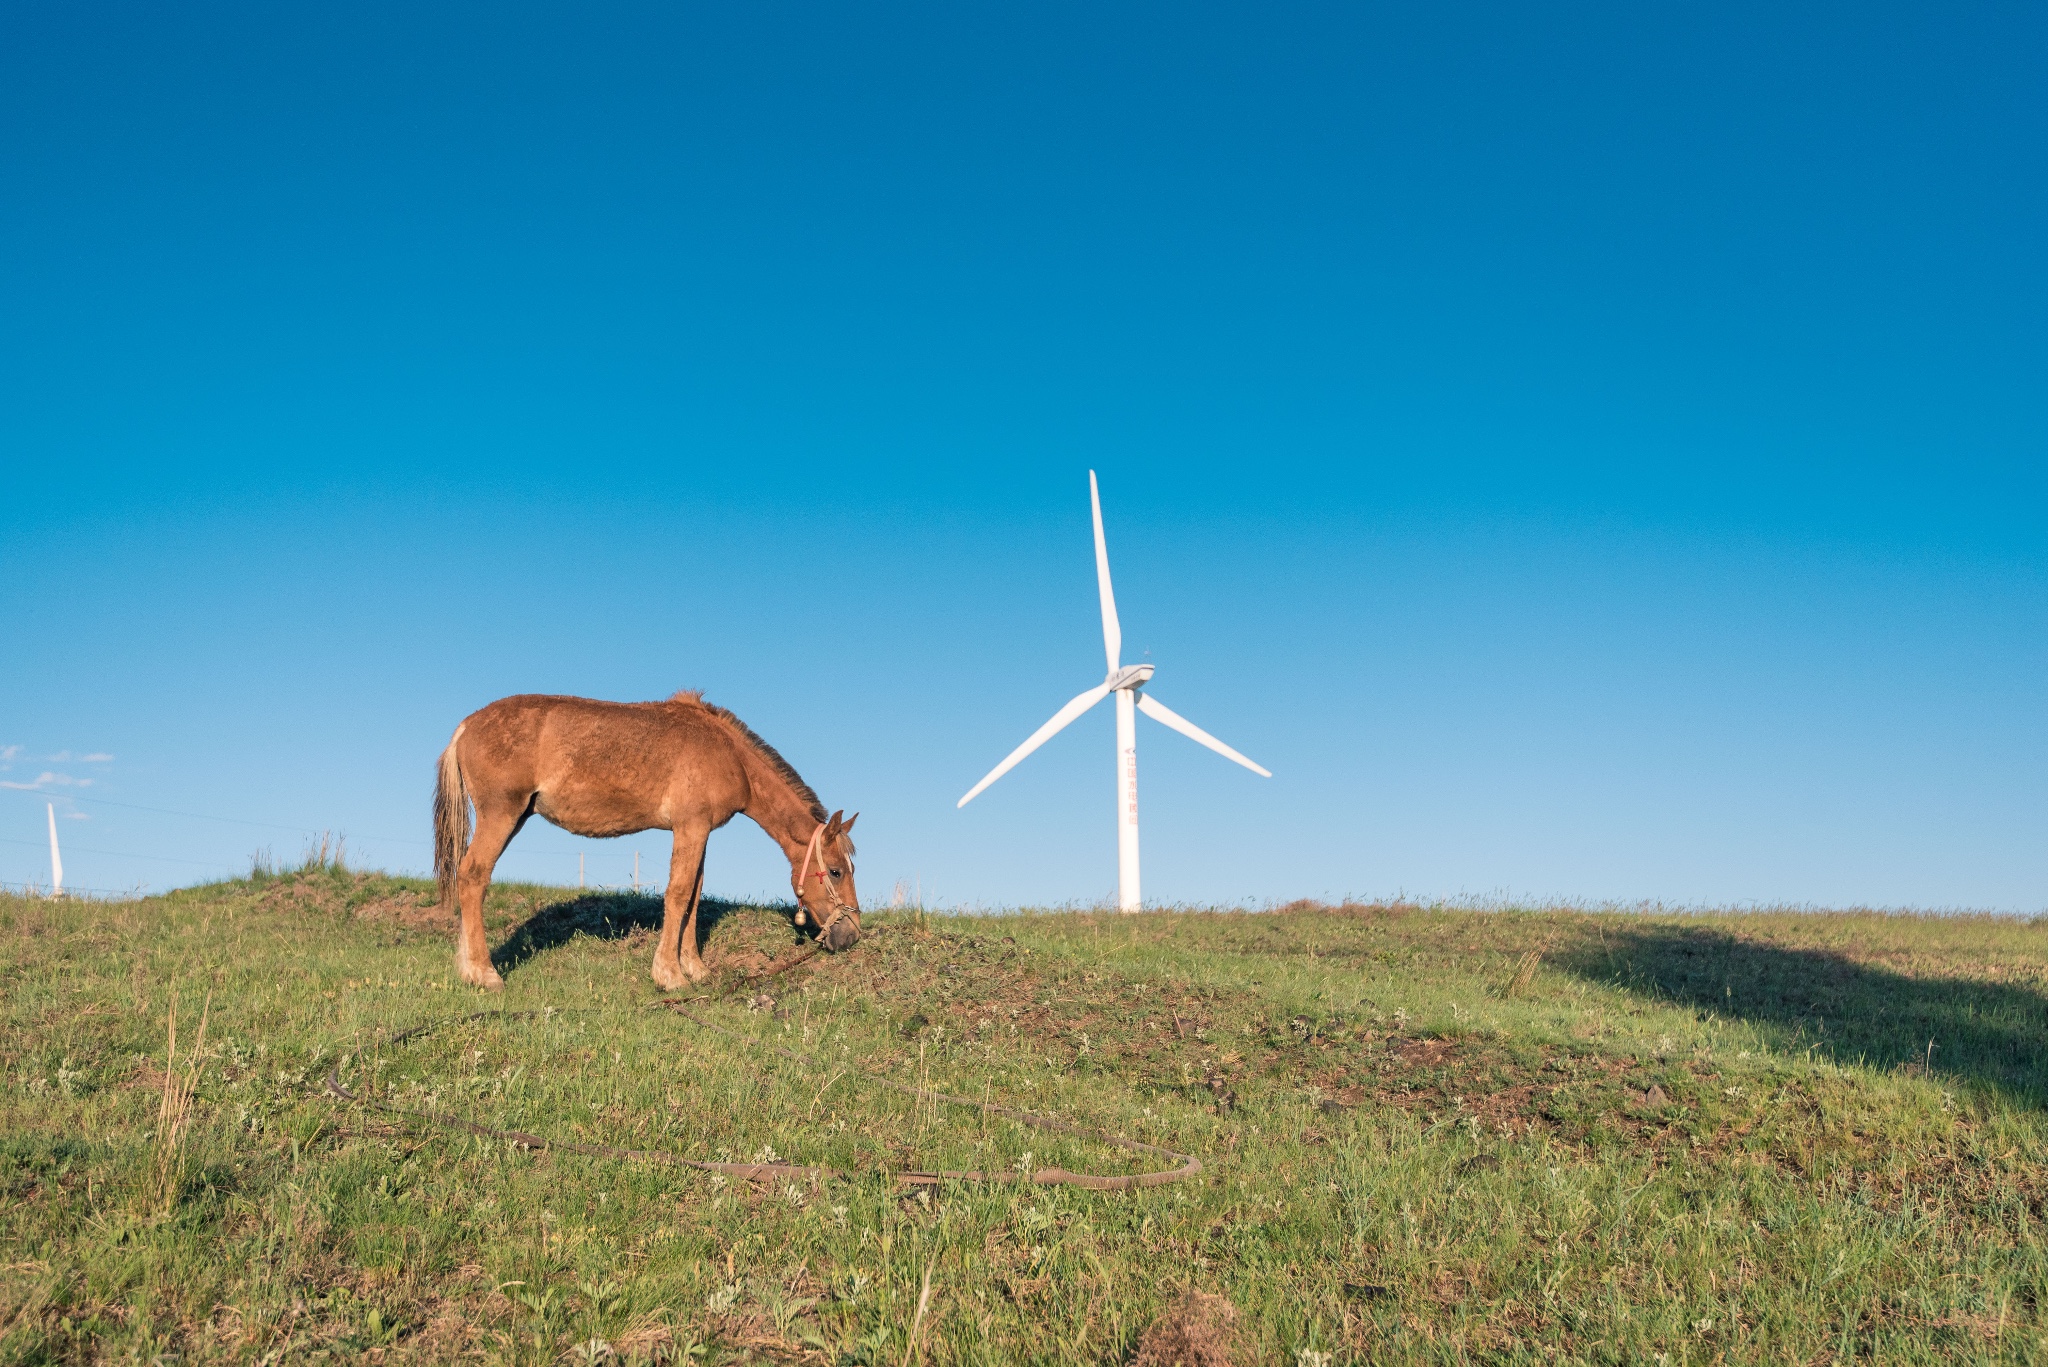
x=606 y=768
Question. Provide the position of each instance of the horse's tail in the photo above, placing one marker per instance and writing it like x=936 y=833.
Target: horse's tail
x=451 y=821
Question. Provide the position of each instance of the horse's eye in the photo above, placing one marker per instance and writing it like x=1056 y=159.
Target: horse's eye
x=835 y=873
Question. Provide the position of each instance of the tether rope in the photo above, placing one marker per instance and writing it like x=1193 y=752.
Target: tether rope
x=1044 y=1177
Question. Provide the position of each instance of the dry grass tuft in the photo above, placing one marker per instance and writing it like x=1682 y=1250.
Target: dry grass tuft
x=1198 y=1330
x=1525 y=973
x=174 y=1113
x=645 y=1339
x=330 y=852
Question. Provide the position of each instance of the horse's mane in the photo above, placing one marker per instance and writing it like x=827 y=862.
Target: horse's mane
x=691 y=697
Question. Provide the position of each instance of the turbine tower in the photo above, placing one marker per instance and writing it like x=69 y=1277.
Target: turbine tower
x=56 y=859
x=1127 y=682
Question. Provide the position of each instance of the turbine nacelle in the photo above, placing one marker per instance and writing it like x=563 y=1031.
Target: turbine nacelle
x=1130 y=676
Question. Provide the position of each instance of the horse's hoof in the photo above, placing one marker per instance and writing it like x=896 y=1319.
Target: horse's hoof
x=486 y=978
x=675 y=977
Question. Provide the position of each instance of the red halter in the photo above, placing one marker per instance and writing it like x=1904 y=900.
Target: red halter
x=840 y=909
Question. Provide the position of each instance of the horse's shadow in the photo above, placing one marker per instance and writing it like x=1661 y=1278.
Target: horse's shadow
x=1990 y=1033
x=601 y=916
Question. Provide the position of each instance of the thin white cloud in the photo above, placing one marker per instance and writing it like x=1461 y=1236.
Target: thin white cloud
x=76 y=816
x=10 y=753
x=46 y=780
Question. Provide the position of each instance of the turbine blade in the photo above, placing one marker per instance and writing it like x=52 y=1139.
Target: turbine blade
x=1166 y=716
x=1112 y=634
x=1039 y=737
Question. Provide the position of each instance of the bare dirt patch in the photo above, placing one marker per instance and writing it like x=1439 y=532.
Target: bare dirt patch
x=1199 y=1330
x=363 y=896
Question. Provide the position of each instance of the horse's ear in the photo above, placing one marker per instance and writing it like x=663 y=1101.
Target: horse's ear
x=833 y=826
x=849 y=823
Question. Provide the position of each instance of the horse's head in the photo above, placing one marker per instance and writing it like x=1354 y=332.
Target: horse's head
x=824 y=885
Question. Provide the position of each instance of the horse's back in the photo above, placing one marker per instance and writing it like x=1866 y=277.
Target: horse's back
x=600 y=766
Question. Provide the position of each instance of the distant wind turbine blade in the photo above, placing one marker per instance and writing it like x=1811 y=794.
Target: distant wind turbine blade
x=1112 y=634
x=1166 y=716
x=1038 y=738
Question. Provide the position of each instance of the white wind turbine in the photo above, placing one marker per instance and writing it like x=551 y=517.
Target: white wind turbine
x=1124 y=681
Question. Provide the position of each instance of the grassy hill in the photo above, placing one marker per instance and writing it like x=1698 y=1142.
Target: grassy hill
x=1427 y=1136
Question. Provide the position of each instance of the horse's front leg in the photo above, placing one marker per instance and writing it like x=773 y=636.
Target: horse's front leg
x=676 y=961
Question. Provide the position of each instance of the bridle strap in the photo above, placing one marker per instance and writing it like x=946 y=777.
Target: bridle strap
x=840 y=909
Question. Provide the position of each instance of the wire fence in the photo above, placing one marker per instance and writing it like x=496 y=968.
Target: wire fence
x=94 y=894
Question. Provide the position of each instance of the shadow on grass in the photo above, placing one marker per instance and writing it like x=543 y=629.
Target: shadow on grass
x=602 y=916
x=1994 y=1034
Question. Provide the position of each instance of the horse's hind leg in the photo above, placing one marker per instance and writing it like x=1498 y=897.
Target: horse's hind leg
x=496 y=824
x=676 y=961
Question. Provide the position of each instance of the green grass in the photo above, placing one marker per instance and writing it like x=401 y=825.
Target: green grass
x=1683 y=1139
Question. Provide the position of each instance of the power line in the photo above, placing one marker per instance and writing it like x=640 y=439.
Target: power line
x=47 y=794
x=119 y=854
x=160 y=811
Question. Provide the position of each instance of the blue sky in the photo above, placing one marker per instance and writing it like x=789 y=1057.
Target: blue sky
x=1595 y=452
